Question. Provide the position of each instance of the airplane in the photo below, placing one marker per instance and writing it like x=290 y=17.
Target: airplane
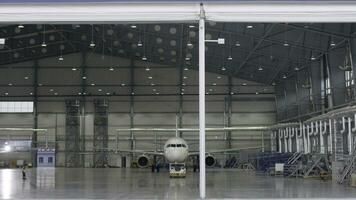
x=176 y=152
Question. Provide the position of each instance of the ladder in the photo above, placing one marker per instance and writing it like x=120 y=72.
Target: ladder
x=350 y=167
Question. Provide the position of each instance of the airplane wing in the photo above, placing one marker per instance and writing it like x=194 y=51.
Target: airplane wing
x=196 y=153
x=155 y=153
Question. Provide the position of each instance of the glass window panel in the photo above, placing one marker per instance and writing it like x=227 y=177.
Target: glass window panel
x=16 y=107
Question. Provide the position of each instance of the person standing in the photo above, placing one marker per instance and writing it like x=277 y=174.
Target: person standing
x=24 y=172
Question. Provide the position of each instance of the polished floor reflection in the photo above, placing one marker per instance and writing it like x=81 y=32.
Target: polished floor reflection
x=62 y=183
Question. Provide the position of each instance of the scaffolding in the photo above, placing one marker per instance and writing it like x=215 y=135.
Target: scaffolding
x=100 y=158
x=72 y=135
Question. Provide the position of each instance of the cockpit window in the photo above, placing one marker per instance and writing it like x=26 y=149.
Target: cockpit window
x=177 y=145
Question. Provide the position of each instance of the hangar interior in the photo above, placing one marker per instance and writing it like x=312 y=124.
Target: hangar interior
x=79 y=83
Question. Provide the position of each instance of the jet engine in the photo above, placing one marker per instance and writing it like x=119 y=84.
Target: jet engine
x=210 y=161
x=142 y=161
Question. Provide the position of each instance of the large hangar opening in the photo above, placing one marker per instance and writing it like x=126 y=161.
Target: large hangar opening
x=116 y=105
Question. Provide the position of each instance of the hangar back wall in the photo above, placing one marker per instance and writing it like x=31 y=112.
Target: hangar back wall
x=149 y=109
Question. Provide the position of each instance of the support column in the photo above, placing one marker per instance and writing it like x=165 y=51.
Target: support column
x=180 y=92
x=349 y=136
x=35 y=116
x=72 y=146
x=101 y=137
x=132 y=90
x=202 y=174
x=83 y=108
x=280 y=136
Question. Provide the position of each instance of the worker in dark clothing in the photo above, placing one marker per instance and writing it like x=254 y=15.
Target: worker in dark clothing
x=24 y=172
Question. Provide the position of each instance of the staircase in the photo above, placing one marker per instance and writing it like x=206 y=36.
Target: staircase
x=291 y=166
x=350 y=167
x=293 y=159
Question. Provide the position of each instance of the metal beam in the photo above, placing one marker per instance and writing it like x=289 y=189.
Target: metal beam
x=265 y=35
x=281 y=65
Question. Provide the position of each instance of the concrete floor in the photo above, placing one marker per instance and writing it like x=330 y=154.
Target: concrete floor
x=62 y=183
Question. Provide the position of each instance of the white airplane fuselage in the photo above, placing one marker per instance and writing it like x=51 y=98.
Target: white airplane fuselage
x=176 y=150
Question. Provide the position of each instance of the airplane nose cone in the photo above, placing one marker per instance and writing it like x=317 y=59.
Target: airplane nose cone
x=175 y=156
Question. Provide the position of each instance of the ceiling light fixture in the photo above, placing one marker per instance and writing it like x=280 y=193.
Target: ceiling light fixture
x=150 y=77
x=44 y=36
x=260 y=68
x=60 y=58
x=249 y=26
x=20 y=26
x=284 y=76
x=238 y=44
x=144 y=58
x=92 y=44
x=312 y=57
x=229 y=58
x=223 y=68
x=74 y=69
x=332 y=43
x=147 y=68
x=286 y=44
x=133 y=26
x=111 y=69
